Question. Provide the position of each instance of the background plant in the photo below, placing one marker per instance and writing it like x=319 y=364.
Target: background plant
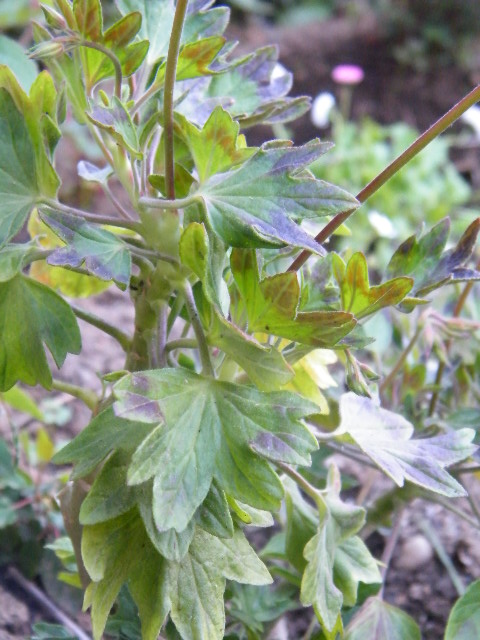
x=226 y=410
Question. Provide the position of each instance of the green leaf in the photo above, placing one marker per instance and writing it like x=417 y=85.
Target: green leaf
x=385 y=437
x=378 y=620
x=358 y=297
x=21 y=401
x=12 y=258
x=14 y=56
x=217 y=147
x=353 y=565
x=102 y=253
x=192 y=587
x=338 y=522
x=207 y=431
x=271 y=306
x=430 y=266
x=264 y=364
x=19 y=184
x=109 y=496
x=205 y=256
x=44 y=318
x=257 y=93
x=259 y=203
x=105 y=433
x=197 y=602
x=153 y=15
x=194 y=60
x=47 y=631
x=117 y=122
x=88 y=15
x=213 y=515
x=464 y=619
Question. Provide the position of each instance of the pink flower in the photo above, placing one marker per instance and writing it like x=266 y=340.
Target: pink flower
x=347 y=74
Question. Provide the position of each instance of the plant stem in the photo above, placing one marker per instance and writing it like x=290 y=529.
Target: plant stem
x=95 y=321
x=401 y=361
x=170 y=75
x=113 y=59
x=157 y=203
x=86 y=396
x=390 y=547
x=443 y=556
x=118 y=205
x=90 y=217
x=441 y=365
x=44 y=601
x=309 y=489
x=384 y=176
x=207 y=368
x=185 y=343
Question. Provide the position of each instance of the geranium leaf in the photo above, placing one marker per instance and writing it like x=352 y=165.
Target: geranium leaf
x=464 y=619
x=109 y=496
x=378 y=620
x=194 y=59
x=255 y=94
x=358 y=297
x=272 y=304
x=105 y=433
x=431 y=267
x=217 y=147
x=338 y=522
x=385 y=437
x=207 y=432
x=103 y=254
x=46 y=318
x=259 y=203
x=354 y=564
x=117 y=122
x=15 y=57
x=214 y=515
x=12 y=257
x=264 y=365
x=19 y=184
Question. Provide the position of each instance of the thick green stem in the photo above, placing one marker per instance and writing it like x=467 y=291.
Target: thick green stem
x=170 y=75
x=113 y=59
x=107 y=328
x=207 y=368
x=372 y=187
x=157 y=203
x=86 y=396
x=181 y=343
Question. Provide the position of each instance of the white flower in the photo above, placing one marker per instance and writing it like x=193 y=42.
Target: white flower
x=472 y=117
x=321 y=107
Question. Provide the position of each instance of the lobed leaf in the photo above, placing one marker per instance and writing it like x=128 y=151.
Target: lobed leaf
x=358 y=297
x=378 y=620
x=385 y=437
x=271 y=306
x=464 y=619
x=207 y=432
x=103 y=254
x=259 y=203
x=31 y=315
x=431 y=267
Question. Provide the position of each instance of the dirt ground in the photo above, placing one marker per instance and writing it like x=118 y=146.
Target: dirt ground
x=417 y=580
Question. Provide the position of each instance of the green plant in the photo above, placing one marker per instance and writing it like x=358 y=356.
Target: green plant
x=218 y=418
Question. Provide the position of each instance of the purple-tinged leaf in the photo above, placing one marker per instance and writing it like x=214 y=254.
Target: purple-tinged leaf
x=207 y=430
x=378 y=620
x=260 y=203
x=103 y=254
x=385 y=437
x=88 y=15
